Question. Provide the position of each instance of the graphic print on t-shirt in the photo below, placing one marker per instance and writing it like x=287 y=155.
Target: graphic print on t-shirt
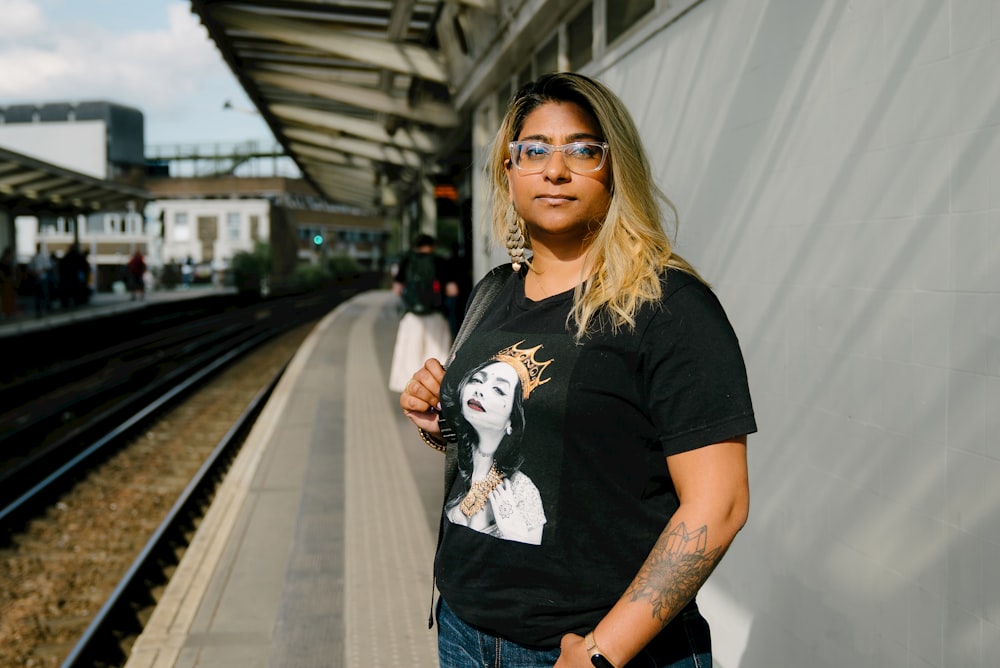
x=493 y=494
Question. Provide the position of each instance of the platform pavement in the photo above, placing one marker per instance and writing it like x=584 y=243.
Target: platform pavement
x=317 y=548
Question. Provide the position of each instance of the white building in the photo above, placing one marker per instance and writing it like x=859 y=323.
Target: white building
x=210 y=231
x=211 y=219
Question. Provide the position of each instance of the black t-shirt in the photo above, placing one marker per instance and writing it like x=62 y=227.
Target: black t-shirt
x=582 y=452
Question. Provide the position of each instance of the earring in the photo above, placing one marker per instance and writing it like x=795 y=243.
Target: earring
x=509 y=429
x=515 y=243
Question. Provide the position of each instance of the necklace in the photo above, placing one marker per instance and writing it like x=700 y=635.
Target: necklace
x=479 y=492
x=538 y=287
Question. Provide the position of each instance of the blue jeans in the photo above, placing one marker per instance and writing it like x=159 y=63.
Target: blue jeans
x=464 y=646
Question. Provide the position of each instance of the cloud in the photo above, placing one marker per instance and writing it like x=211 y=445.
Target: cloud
x=146 y=69
x=63 y=51
x=21 y=19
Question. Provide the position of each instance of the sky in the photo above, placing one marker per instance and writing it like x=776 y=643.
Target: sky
x=152 y=55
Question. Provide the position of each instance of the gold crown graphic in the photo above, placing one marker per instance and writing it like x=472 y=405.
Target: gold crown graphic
x=528 y=369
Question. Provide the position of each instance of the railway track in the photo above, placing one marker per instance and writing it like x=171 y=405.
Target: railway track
x=81 y=570
x=55 y=421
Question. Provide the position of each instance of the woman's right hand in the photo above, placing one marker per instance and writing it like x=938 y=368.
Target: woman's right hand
x=421 y=399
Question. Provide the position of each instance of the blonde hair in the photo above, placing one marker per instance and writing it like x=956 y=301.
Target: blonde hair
x=630 y=249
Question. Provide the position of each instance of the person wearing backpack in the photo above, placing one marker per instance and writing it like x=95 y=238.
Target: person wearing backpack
x=422 y=283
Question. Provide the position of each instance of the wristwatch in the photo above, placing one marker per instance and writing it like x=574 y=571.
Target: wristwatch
x=596 y=656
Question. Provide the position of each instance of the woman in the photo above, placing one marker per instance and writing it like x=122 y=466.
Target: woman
x=493 y=495
x=637 y=443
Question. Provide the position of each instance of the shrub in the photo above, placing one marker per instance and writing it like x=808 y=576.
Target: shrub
x=342 y=266
x=249 y=269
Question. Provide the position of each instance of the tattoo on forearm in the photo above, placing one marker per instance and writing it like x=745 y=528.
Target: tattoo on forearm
x=676 y=568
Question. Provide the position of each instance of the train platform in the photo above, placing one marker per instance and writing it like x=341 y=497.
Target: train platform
x=317 y=549
x=99 y=305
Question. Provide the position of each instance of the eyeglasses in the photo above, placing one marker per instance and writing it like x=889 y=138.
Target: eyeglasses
x=581 y=157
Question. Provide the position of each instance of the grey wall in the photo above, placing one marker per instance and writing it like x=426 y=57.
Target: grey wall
x=836 y=166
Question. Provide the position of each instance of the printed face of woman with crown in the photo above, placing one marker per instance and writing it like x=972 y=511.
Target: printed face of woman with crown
x=487 y=400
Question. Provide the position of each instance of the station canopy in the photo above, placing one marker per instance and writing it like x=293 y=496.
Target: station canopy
x=356 y=91
x=32 y=187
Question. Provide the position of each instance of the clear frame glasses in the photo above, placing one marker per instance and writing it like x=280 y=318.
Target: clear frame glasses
x=581 y=157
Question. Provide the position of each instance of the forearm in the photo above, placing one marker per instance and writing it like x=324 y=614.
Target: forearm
x=680 y=562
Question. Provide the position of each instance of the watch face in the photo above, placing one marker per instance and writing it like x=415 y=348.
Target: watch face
x=600 y=661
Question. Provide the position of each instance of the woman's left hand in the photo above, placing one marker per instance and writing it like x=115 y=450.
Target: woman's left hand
x=572 y=654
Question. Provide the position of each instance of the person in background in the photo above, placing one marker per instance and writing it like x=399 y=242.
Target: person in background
x=455 y=304
x=8 y=283
x=53 y=277
x=187 y=272
x=40 y=269
x=74 y=272
x=636 y=427
x=135 y=273
x=422 y=282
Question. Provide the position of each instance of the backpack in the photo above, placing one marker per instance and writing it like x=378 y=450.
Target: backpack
x=421 y=287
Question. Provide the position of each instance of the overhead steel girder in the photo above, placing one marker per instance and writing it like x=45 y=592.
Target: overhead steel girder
x=429 y=113
x=329 y=174
x=367 y=149
x=35 y=190
x=7 y=183
x=346 y=82
x=363 y=188
x=403 y=58
x=327 y=160
x=71 y=188
x=485 y=5
x=360 y=197
x=403 y=138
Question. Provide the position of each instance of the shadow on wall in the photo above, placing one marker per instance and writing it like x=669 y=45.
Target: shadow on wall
x=833 y=165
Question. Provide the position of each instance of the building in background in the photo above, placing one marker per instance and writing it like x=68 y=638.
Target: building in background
x=97 y=139
x=211 y=219
x=204 y=204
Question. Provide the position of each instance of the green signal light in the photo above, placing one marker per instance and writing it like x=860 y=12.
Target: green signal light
x=318 y=239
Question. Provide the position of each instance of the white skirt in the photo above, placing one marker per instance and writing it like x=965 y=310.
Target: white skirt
x=418 y=338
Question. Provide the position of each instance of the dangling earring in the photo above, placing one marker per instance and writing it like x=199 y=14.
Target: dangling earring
x=515 y=243
x=509 y=429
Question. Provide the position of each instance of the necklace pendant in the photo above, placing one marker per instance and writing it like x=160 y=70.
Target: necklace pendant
x=479 y=492
x=473 y=502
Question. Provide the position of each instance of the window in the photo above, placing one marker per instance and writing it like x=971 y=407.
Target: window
x=95 y=224
x=182 y=227
x=136 y=223
x=208 y=233
x=208 y=228
x=580 y=38
x=255 y=228
x=623 y=14
x=233 y=226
